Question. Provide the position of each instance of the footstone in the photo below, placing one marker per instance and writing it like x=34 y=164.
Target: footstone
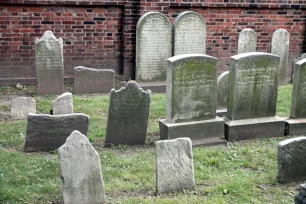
x=128 y=114
x=89 y=80
x=247 y=41
x=222 y=83
x=291 y=160
x=174 y=166
x=80 y=171
x=49 y=132
x=63 y=104
x=21 y=106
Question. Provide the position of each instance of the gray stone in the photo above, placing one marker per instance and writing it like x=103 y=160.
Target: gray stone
x=296 y=126
x=280 y=47
x=174 y=165
x=49 y=63
x=247 y=41
x=80 y=171
x=128 y=115
x=291 y=160
x=222 y=83
x=89 y=80
x=63 y=104
x=21 y=106
x=189 y=34
x=49 y=132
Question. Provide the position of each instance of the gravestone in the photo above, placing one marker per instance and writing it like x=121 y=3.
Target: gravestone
x=247 y=41
x=21 y=106
x=251 y=105
x=280 y=47
x=291 y=160
x=301 y=197
x=128 y=115
x=174 y=165
x=222 y=84
x=191 y=100
x=63 y=104
x=49 y=63
x=80 y=171
x=49 y=132
x=89 y=80
x=153 y=48
x=189 y=34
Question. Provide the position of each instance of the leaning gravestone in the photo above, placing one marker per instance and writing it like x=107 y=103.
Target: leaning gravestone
x=63 y=104
x=247 y=41
x=80 y=171
x=189 y=34
x=291 y=160
x=153 y=48
x=49 y=64
x=21 y=106
x=174 y=165
x=222 y=84
x=49 y=132
x=128 y=115
x=280 y=47
x=191 y=100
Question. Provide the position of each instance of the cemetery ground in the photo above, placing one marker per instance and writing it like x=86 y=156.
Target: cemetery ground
x=243 y=172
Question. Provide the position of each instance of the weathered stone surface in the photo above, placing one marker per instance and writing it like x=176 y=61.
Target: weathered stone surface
x=222 y=83
x=295 y=126
x=128 y=114
x=247 y=41
x=21 y=106
x=291 y=160
x=49 y=132
x=189 y=34
x=280 y=47
x=80 y=171
x=89 y=80
x=174 y=165
x=63 y=104
x=49 y=64
x=153 y=47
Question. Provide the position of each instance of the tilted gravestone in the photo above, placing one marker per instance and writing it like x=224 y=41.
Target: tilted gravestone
x=247 y=41
x=128 y=115
x=222 y=84
x=153 y=48
x=191 y=100
x=174 y=165
x=49 y=132
x=63 y=104
x=22 y=106
x=251 y=105
x=189 y=34
x=80 y=171
x=49 y=63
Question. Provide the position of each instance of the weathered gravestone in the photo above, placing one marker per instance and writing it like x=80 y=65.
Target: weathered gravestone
x=191 y=100
x=247 y=41
x=80 y=171
x=189 y=34
x=49 y=132
x=280 y=47
x=153 y=48
x=251 y=105
x=174 y=165
x=21 y=106
x=89 y=80
x=63 y=104
x=301 y=197
x=291 y=160
x=128 y=114
x=49 y=64
x=222 y=84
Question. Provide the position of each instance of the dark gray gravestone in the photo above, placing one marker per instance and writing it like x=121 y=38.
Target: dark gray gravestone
x=128 y=114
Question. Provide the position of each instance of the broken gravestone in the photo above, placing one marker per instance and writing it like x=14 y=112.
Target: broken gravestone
x=63 y=104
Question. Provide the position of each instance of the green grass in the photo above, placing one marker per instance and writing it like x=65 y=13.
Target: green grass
x=238 y=173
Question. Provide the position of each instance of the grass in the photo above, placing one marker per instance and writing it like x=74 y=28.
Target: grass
x=242 y=172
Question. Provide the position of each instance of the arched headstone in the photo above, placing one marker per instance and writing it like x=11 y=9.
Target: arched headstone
x=247 y=41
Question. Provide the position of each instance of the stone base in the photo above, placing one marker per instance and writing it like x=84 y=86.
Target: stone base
x=221 y=112
x=296 y=126
x=154 y=87
x=254 y=128
x=204 y=132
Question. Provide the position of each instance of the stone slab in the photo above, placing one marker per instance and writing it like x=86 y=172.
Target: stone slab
x=247 y=41
x=221 y=112
x=62 y=104
x=296 y=126
x=21 y=106
x=155 y=88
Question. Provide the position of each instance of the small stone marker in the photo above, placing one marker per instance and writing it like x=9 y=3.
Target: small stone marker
x=128 y=115
x=247 y=41
x=80 y=171
x=222 y=83
x=49 y=64
x=174 y=165
x=63 y=104
x=189 y=34
x=21 y=106
x=89 y=80
x=280 y=47
x=49 y=132
x=301 y=197
x=291 y=160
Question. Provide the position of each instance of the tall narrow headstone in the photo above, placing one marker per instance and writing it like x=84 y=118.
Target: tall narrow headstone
x=247 y=41
x=63 y=104
x=189 y=31
x=222 y=84
x=22 y=106
x=49 y=64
